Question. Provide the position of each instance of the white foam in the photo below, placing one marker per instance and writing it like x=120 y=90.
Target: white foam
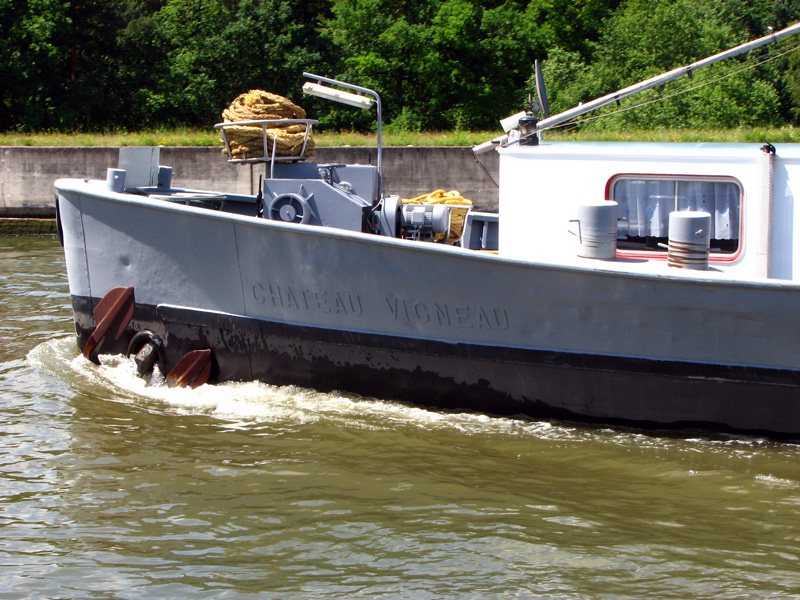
x=241 y=404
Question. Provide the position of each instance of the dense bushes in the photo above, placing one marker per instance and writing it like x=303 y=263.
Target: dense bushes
x=438 y=64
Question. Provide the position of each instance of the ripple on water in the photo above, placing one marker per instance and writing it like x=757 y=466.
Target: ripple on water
x=243 y=490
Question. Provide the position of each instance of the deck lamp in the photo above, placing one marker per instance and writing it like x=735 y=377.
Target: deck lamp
x=329 y=93
x=357 y=100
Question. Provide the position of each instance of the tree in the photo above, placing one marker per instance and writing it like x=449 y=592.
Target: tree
x=439 y=64
x=645 y=38
x=95 y=94
x=32 y=63
x=216 y=49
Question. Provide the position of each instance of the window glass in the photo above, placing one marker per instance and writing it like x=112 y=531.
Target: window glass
x=645 y=204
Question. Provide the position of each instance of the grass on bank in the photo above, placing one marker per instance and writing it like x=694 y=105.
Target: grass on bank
x=201 y=137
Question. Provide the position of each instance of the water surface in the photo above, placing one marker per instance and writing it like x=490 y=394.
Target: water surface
x=115 y=488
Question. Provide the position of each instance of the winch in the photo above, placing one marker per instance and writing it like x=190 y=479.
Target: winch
x=425 y=222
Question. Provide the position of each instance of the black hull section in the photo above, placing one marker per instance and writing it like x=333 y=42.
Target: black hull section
x=643 y=393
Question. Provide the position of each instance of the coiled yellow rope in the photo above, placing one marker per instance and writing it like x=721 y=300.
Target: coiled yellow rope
x=247 y=141
x=458 y=213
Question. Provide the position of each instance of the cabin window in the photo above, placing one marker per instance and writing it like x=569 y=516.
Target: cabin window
x=645 y=204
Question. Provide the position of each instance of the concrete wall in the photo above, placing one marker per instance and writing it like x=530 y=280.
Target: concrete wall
x=27 y=173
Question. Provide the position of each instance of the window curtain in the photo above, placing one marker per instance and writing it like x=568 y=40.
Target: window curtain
x=645 y=205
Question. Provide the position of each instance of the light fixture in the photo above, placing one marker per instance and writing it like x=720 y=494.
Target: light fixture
x=329 y=93
x=358 y=100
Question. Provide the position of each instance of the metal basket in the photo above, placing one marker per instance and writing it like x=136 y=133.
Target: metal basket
x=264 y=123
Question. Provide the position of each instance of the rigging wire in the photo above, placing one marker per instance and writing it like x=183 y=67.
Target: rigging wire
x=575 y=124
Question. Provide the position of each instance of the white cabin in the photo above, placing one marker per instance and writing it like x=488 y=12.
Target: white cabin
x=749 y=193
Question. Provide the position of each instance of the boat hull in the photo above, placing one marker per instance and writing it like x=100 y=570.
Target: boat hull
x=289 y=304
x=462 y=376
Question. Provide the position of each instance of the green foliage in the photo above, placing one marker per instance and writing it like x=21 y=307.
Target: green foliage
x=455 y=64
x=32 y=36
x=644 y=39
x=213 y=50
x=405 y=122
x=571 y=25
x=438 y=64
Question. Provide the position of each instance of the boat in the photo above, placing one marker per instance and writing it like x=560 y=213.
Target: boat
x=650 y=285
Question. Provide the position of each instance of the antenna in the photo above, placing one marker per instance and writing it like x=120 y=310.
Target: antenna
x=540 y=91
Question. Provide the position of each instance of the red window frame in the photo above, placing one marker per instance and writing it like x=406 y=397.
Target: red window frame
x=662 y=254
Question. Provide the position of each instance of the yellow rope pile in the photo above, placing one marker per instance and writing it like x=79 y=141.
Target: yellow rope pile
x=247 y=141
x=458 y=212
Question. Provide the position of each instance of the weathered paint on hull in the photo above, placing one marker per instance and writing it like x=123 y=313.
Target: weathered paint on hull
x=447 y=327
x=491 y=379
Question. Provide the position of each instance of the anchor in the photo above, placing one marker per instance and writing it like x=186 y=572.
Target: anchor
x=192 y=370
x=112 y=315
